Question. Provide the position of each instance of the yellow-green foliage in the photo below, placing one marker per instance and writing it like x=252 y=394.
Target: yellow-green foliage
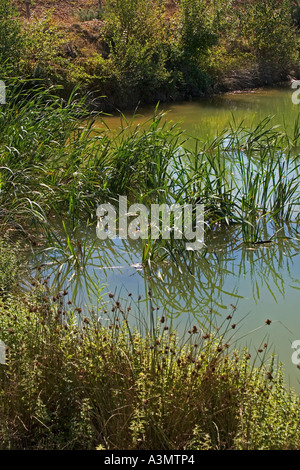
x=146 y=51
x=43 y=53
x=254 y=33
x=70 y=382
x=11 y=265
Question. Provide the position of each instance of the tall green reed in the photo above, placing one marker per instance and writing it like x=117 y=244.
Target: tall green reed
x=54 y=162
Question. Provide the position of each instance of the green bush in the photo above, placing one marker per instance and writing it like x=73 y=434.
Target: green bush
x=89 y=14
x=11 y=44
x=198 y=30
x=296 y=13
x=138 y=49
x=43 y=50
x=267 y=29
x=153 y=56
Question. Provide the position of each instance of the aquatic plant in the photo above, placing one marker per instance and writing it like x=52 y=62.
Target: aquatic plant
x=52 y=165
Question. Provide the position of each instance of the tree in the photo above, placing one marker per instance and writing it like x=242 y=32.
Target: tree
x=197 y=31
x=27 y=7
x=269 y=28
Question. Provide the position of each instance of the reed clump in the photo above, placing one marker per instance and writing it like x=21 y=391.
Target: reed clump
x=54 y=165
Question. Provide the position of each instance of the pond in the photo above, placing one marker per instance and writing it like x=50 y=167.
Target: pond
x=258 y=286
x=209 y=115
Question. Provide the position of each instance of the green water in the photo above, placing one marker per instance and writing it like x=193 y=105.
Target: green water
x=208 y=116
x=262 y=283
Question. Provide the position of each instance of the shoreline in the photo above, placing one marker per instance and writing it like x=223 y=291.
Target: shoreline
x=105 y=105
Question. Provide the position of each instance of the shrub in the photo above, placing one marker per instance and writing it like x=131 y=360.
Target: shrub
x=197 y=30
x=137 y=38
x=268 y=30
x=89 y=14
x=11 y=265
x=44 y=46
x=11 y=41
x=71 y=383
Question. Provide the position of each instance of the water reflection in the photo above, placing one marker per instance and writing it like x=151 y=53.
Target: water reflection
x=191 y=283
x=261 y=280
x=207 y=116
